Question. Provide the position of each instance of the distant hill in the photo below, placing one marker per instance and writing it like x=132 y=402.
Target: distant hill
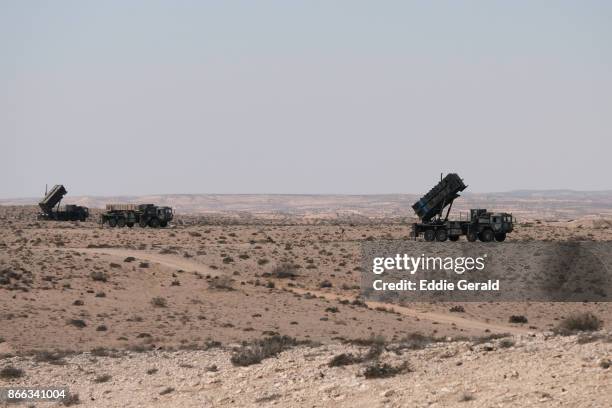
x=545 y=204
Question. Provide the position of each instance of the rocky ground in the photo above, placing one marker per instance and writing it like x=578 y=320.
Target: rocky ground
x=519 y=371
x=80 y=302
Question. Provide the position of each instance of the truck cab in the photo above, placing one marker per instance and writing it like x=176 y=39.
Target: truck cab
x=487 y=226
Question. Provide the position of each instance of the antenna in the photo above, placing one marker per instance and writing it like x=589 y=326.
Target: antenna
x=45 y=189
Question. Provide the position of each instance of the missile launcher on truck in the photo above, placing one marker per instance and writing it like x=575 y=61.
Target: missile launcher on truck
x=51 y=209
x=481 y=224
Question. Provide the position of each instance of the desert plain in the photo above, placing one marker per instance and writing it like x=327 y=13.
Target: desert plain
x=263 y=308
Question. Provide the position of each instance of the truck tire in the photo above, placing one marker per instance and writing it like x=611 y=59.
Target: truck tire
x=121 y=222
x=142 y=222
x=441 y=235
x=163 y=223
x=487 y=235
x=471 y=236
x=112 y=222
x=500 y=236
x=454 y=238
x=130 y=224
x=429 y=235
x=154 y=223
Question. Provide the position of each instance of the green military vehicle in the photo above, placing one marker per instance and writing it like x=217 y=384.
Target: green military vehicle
x=128 y=215
x=482 y=225
x=52 y=210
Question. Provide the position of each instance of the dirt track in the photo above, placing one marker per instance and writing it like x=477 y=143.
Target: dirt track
x=174 y=262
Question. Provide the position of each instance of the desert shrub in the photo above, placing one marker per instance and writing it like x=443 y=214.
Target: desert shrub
x=385 y=370
x=373 y=340
x=457 y=309
x=259 y=350
x=506 y=343
x=285 y=270
x=262 y=261
x=579 y=322
x=71 y=399
x=102 y=378
x=488 y=338
x=99 y=276
x=466 y=396
x=325 y=284
x=144 y=265
x=518 y=319
x=159 y=301
x=344 y=359
x=51 y=357
x=129 y=259
x=78 y=323
x=10 y=372
x=228 y=259
x=416 y=341
x=100 y=352
x=166 y=390
x=332 y=309
x=221 y=283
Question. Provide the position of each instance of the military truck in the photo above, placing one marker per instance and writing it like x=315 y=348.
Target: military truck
x=121 y=215
x=481 y=224
x=51 y=209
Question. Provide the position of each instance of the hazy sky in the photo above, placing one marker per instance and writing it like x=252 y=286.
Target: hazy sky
x=130 y=97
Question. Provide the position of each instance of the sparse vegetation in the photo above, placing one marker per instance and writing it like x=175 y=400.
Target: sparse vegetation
x=71 y=399
x=255 y=352
x=385 y=370
x=518 y=319
x=102 y=378
x=99 y=276
x=78 y=323
x=285 y=271
x=166 y=390
x=11 y=372
x=580 y=322
x=466 y=396
x=221 y=283
x=159 y=301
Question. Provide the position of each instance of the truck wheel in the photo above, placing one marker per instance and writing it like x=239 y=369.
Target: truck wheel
x=154 y=223
x=487 y=235
x=454 y=238
x=142 y=222
x=500 y=236
x=129 y=224
x=441 y=235
x=471 y=236
x=112 y=222
x=429 y=235
x=163 y=224
x=121 y=222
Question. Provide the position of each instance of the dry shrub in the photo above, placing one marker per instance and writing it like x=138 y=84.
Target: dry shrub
x=221 y=283
x=580 y=322
x=255 y=352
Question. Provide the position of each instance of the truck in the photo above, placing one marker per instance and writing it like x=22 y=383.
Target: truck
x=434 y=226
x=122 y=215
x=52 y=210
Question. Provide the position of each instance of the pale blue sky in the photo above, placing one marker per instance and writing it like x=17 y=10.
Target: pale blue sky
x=136 y=97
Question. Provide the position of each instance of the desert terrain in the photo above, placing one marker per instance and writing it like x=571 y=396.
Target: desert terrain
x=260 y=306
